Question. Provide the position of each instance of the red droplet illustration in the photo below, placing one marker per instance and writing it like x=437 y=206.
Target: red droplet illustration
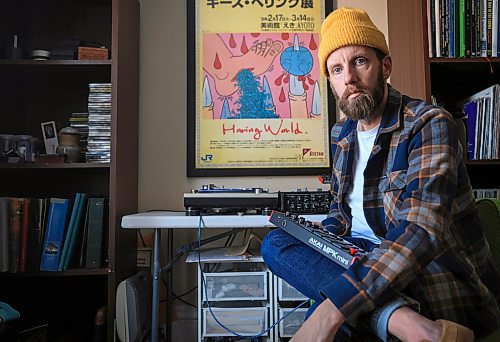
x=282 y=95
x=312 y=43
x=232 y=43
x=255 y=34
x=287 y=78
x=278 y=80
x=310 y=80
x=285 y=36
x=217 y=63
x=244 y=47
x=302 y=78
x=306 y=87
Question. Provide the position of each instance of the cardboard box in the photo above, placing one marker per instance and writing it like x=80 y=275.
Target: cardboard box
x=92 y=53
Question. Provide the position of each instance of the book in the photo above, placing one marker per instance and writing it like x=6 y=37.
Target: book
x=73 y=232
x=82 y=243
x=54 y=234
x=95 y=230
x=69 y=231
x=24 y=234
x=4 y=234
x=35 y=237
x=15 y=211
x=470 y=110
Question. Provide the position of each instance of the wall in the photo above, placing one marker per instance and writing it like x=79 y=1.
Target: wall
x=162 y=123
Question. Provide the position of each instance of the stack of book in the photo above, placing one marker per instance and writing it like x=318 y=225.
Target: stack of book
x=52 y=234
x=463 y=28
x=99 y=121
x=482 y=115
x=80 y=122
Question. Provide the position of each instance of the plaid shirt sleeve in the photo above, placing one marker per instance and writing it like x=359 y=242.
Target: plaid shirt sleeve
x=334 y=222
x=422 y=232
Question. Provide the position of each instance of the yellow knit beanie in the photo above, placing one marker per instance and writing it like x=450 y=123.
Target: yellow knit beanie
x=348 y=26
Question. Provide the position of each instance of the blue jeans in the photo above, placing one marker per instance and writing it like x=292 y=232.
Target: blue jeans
x=301 y=266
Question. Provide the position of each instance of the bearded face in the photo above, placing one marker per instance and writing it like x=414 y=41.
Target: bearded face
x=366 y=104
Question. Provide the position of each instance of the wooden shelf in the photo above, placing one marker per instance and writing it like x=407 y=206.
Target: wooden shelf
x=56 y=166
x=72 y=272
x=464 y=60
x=53 y=62
x=483 y=162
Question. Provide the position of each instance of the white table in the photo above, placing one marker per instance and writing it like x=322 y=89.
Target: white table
x=158 y=220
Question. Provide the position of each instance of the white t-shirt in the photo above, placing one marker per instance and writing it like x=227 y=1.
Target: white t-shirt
x=364 y=145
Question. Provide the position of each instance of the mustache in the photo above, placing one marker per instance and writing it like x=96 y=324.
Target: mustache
x=351 y=89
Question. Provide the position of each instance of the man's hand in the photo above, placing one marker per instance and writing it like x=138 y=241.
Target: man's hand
x=322 y=325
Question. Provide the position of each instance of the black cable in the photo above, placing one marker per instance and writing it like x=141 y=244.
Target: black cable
x=142 y=238
x=189 y=247
x=179 y=297
x=189 y=291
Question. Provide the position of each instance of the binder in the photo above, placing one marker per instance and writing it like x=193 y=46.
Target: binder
x=54 y=234
x=95 y=231
x=73 y=231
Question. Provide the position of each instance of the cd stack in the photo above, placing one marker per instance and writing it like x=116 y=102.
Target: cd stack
x=80 y=122
x=99 y=138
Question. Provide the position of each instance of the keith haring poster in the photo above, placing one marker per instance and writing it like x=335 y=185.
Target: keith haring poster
x=259 y=103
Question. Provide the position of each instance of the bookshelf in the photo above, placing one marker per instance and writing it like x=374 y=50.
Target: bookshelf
x=34 y=91
x=448 y=79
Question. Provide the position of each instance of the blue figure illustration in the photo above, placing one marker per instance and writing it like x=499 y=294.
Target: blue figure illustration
x=253 y=102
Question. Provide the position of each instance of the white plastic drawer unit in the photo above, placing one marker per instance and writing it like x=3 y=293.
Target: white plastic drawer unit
x=243 y=321
x=292 y=322
x=229 y=286
x=288 y=292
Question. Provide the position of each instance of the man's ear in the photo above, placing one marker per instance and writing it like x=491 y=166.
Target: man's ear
x=387 y=66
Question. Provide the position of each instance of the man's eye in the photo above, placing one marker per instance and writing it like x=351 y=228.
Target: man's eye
x=360 y=61
x=336 y=70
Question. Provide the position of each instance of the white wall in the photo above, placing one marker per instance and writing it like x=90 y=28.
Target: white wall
x=162 y=121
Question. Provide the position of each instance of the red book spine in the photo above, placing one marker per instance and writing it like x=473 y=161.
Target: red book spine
x=24 y=234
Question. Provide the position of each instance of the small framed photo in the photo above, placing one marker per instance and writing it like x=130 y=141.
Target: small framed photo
x=49 y=132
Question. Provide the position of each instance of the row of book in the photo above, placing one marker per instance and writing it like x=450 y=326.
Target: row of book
x=486 y=193
x=99 y=121
x=482 y=117
x=463 y=28
x=52 y=234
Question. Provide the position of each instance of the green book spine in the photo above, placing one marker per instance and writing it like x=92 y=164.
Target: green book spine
x=462 y=27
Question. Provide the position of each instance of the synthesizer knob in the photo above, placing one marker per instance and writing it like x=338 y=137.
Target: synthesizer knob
x=302 y=220
x=308 y=224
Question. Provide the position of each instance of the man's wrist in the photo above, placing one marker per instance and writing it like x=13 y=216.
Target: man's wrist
x=334 y=318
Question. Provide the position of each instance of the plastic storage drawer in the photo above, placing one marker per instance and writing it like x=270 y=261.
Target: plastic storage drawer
x=292 y=322
x=229 y=286
x=288 y=292
x=243 y=321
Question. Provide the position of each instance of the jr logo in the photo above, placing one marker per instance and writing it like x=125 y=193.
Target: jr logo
x=207 y=157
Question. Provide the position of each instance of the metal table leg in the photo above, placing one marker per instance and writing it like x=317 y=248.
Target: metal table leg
x=155 y=305
x=170 y=256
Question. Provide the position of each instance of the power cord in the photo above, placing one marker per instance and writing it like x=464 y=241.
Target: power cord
x=253 y=337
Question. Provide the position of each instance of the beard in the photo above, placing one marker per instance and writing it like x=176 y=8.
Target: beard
x=367 y=104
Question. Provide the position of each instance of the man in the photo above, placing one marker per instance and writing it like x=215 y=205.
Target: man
x=400 y=191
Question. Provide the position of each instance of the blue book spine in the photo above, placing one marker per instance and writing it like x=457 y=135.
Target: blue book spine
x=470 y=110
x=69 y=232
x=56 y=224
x=451 y=17
x=75 y=232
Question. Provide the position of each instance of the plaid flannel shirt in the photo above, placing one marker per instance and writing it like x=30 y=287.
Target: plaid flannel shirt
x=418 y=199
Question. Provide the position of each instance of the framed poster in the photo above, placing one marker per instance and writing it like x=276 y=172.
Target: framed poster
x=257 y=102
